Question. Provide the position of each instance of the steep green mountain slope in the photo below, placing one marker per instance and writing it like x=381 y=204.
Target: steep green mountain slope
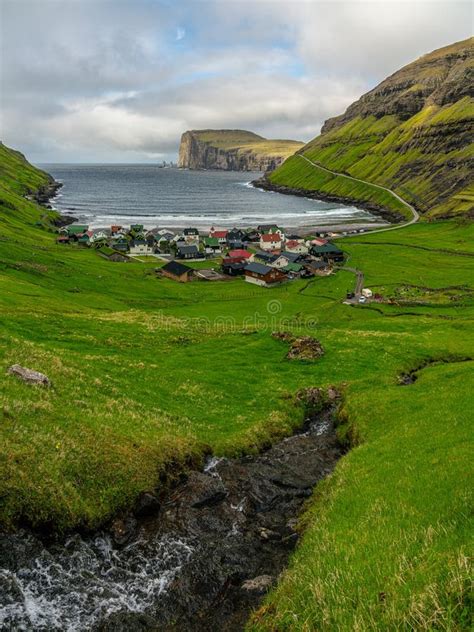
x=18 y=180
x=149 y=375
x=233 y=150
x=412 y=133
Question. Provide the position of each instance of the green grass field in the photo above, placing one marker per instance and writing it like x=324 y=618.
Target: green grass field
x=150 y=375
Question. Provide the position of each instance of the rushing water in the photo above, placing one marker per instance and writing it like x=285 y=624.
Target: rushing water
x=72 y=586
x=182 y=567
x=109 y=194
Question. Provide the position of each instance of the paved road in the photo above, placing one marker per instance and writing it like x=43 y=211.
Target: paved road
x=359 y=282
x=414 y=212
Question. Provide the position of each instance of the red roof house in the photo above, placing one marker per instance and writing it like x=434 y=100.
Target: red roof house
x=270 y=241
x=237 y=256
x=221 y=235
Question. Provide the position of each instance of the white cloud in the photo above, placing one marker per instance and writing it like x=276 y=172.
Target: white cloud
x=122 y=80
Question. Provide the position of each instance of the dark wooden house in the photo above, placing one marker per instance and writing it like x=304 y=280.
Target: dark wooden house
x=176 y=271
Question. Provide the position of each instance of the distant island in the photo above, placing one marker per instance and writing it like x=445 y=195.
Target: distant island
x=233 y=150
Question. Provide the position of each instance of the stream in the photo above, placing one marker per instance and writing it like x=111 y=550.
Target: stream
x=203 y=561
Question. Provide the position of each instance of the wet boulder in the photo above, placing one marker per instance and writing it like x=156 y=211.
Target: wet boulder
x=147 y=504
x=202 y=490
x=122 y=529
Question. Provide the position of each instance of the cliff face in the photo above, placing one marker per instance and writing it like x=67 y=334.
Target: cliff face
x=440 y=78
x=232 y=150
x=412 y=133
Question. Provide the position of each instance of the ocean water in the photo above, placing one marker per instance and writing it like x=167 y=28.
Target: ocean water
x=108 y=194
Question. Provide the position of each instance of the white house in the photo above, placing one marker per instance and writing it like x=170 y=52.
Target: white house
x=140 y=247
x=271 y=241
x=191 y=236
x=297 y=247
x=98 y=235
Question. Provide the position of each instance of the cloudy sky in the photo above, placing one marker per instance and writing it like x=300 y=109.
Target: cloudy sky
x=120 y=80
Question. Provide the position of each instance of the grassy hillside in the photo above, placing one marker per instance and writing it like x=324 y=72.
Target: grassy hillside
x=412 y=133
x=149 y=375
x=303 y=175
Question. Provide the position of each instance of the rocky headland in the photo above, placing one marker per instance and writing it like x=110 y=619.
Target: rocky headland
x=233 y=150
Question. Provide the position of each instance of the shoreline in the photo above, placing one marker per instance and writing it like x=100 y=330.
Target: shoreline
x=390 y=217
x=300 y=224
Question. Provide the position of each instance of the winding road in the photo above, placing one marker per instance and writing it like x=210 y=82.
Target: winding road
x=414 y=212
x=358 y=273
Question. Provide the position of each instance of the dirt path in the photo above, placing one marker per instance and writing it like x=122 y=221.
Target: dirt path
x=415 y=213
x=359 y=282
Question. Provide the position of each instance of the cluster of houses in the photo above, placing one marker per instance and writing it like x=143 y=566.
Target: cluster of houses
x=265 y=256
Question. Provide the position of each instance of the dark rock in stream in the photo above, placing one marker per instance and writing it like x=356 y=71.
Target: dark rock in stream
x=202 y=561
x=146 y=505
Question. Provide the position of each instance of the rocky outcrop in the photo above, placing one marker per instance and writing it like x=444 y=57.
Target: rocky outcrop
x=44 y=194
x=303 y=348
x=29 y=376
x=232 y=150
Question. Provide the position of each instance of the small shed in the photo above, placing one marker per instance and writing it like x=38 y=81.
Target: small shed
x=112 y=255
x=177 y=271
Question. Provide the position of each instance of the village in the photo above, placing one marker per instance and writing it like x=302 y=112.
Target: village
x=266 y=255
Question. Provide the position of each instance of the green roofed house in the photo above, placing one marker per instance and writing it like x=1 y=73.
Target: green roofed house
x=327 y=252
x=84 y=239
x=293 y=269
x=74 y=230
x=112 y=255
x=212 y=246
x=121 y=244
